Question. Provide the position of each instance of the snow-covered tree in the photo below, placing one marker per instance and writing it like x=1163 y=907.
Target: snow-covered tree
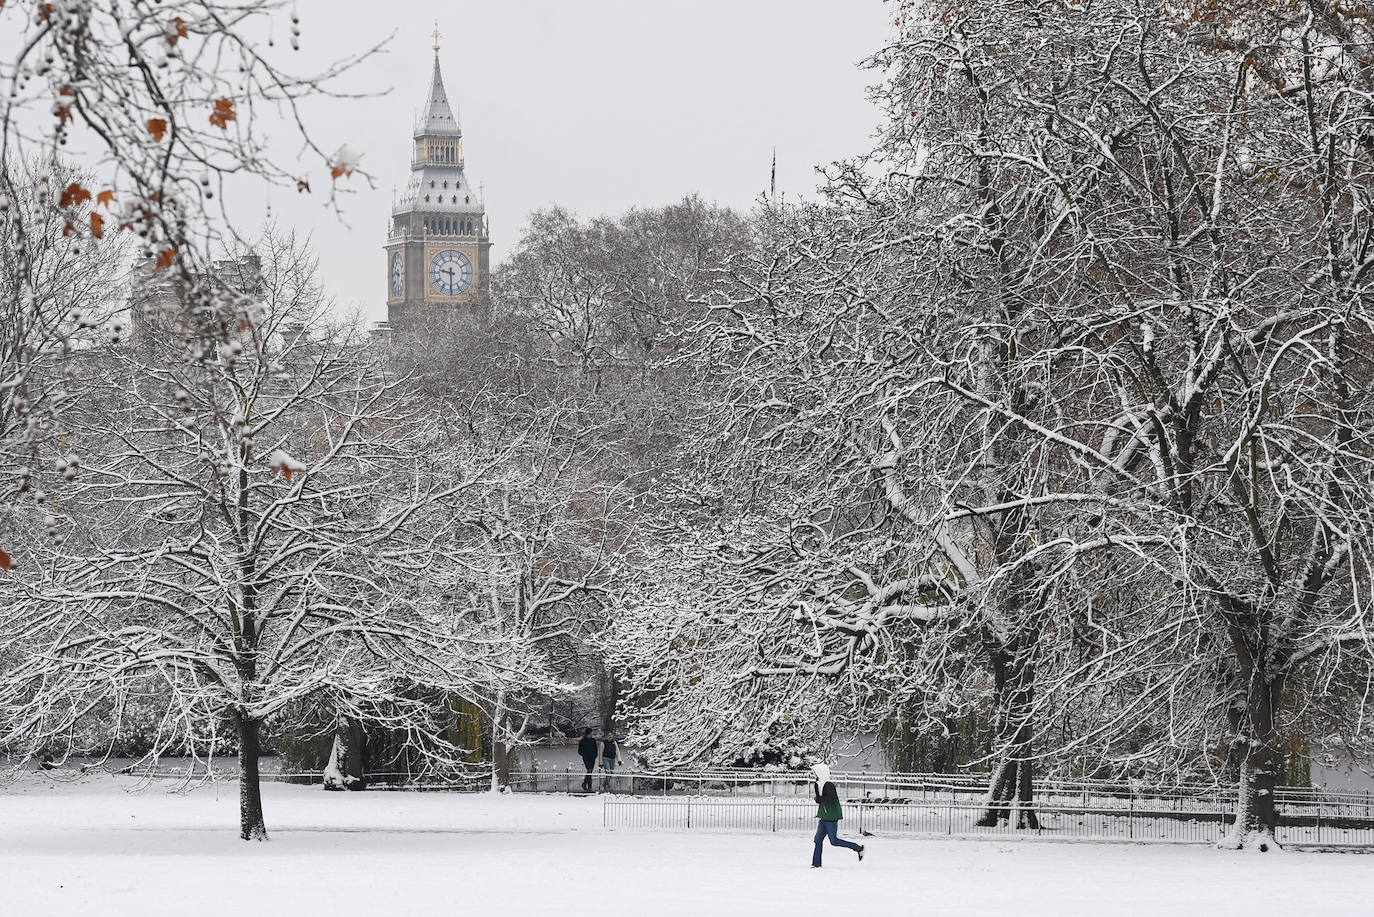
x=829 y=524
x=607 y=297
x=255 y=527
x=60 y=298
x=167 y=106
x=1068 y=380
x=1182 y=204
x=550 y=540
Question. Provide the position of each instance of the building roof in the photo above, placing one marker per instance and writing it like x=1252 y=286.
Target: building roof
x=438 y=187
x=438 y=116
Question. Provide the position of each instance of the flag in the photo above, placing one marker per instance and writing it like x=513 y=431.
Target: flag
x=773 y=179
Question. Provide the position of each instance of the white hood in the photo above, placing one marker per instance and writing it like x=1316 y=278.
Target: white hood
x=822 y=775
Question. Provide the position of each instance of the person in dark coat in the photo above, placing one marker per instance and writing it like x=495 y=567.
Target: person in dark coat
x=828 y=815
x=586 y=750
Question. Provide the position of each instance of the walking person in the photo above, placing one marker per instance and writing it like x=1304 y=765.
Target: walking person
x=828 y=815
x=586 y=750
x=609 y=756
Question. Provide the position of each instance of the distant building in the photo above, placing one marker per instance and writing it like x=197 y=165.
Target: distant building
x=437 y=249
x=158 y=303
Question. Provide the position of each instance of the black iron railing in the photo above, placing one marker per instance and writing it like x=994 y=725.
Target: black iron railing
x=1120 y=823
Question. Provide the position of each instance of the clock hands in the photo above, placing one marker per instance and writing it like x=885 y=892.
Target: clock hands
x=445 y=277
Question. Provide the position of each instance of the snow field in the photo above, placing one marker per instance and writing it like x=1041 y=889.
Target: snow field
x=117 y=847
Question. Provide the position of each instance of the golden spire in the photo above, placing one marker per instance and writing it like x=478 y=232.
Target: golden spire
x=437 y=36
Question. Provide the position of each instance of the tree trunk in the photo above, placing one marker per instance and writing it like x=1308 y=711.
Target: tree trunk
x=610 y=696
x=251 y=824
x=347 y=766
x=1012 y=782
x=1257 y=815
x=500 y=765
x=1025 y=814
x=999 y=795
x=500 y=750
x=1012 y=778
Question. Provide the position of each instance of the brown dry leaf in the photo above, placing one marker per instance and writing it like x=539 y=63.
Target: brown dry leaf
x=158 y=128
x=73 y=195
x=165 y=259
x=303 y=185
x=6 y=562
x=105 y=197
x=97 y=225
x=178 y=31
x=223 y=114
x=281 y=463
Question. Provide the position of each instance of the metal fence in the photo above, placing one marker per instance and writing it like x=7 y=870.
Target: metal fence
x=955 y=819
x=968 y=788
x=894 y=803
x=920 y=788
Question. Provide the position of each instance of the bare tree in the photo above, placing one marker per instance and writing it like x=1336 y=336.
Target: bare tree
x=261 y=526
x=551 y=541
x=820 y=439
x=1073 y=373
x=61 y=297
x=608 y=296
x=167 y=105
x=1184 y=206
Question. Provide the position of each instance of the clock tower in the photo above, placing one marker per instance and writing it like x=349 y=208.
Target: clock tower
x=438 y=248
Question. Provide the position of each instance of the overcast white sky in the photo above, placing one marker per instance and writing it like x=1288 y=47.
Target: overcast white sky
x=597 y=105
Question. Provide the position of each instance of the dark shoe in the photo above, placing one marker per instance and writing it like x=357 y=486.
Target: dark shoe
x=815 y=865
x=861 y=853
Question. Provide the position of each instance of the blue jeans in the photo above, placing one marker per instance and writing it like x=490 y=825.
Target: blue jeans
x=607 y=765
x=826 y=829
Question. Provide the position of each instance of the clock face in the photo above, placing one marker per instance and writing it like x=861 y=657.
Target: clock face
x=397 y=274
x=450 y=272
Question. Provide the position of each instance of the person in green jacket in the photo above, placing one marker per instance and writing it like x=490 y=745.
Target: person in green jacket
x=828 y=814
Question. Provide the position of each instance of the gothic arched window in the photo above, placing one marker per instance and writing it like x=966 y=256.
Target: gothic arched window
x=467 y=199
x=426 y=198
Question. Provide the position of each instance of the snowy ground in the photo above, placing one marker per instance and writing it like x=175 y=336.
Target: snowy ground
x=105 y=845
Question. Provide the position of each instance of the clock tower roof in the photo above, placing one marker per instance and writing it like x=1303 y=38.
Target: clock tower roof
x=439 y=116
